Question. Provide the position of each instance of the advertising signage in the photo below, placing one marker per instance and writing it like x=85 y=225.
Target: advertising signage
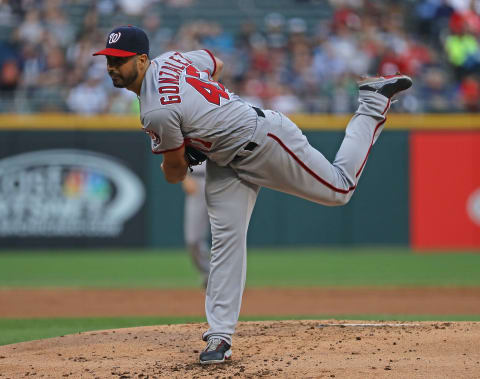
x=445 y=190
x=73 y=196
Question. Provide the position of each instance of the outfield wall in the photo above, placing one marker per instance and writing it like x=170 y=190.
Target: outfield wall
x=92 y=181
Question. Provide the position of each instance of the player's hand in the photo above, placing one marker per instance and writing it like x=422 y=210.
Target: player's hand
x=189 y=185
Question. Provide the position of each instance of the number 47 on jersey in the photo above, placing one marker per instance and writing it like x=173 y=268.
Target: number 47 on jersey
x=210 y=90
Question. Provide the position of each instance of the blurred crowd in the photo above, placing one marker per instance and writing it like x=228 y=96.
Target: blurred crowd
x=283 y=63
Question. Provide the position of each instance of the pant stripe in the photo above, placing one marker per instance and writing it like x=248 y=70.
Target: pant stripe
x=306 y=168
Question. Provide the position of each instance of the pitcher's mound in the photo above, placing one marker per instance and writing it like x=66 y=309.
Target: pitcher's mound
x=285 y=349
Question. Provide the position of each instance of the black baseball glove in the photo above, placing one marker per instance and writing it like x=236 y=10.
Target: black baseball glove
x=194 y=157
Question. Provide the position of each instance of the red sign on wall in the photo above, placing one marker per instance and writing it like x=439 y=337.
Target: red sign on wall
x=445 y=190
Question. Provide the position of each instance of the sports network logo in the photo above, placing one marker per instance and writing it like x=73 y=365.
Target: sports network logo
x=66 y=193
x=114 y=37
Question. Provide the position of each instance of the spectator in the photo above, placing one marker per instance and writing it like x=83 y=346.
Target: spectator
x=9 y=81
x=463 y=52
x=123 y=102
x=89 y=97
x=218 y=40
x=432 y=18
x=33 y=64
x=290 y=62
x=327 y=64
x=31 y=29
x=285 y=100
x=274 y=31
x=9 y=77
x=470 y=93
x=158 y=35
x=134 y=8
x=57 y=25
x=435 y=91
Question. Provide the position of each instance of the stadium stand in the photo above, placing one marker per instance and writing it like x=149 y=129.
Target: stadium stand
x=291 y=55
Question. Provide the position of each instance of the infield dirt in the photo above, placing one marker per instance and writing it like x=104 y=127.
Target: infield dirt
x=56 y=302
x=276 y=349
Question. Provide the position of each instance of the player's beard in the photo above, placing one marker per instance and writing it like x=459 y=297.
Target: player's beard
x=121 y=82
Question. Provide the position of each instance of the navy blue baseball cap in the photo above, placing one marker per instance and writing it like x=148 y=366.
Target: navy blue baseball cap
x=125 y=41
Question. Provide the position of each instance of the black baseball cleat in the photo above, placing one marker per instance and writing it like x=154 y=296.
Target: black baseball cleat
x=217 y=351
x=388 y=85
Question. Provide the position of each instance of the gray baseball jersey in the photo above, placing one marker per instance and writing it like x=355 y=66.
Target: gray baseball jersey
x=180 y=104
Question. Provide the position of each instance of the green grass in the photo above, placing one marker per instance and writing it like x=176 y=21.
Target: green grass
x=18 y=330
x=266 y=268
x=14 y=330
x=335 y=267
x=363 y=267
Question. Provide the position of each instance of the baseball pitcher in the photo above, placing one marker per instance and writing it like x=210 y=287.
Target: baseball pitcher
x=190 y=116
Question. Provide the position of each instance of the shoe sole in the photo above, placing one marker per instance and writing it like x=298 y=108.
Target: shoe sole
x=383 y=80
x=226 y=356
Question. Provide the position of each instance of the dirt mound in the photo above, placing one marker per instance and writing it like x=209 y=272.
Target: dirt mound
x=283 y=349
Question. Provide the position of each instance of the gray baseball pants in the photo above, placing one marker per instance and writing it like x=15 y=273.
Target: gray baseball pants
x=285 y=161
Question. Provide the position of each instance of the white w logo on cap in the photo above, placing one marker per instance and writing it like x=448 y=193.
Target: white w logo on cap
x=114 y=37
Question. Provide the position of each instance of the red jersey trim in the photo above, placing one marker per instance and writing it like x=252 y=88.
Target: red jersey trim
x=206 y=144
x=214 y=61
x=306 y=168
x=166 y=151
